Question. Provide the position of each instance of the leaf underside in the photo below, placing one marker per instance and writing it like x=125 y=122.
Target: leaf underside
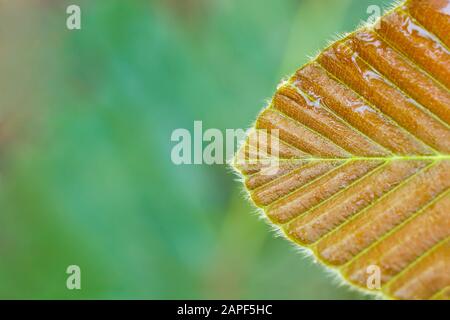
x=362 y=155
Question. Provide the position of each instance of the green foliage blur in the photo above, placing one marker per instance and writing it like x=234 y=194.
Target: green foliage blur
x=86 y=118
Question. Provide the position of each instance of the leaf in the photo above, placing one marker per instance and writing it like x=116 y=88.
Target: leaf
x=351 y=159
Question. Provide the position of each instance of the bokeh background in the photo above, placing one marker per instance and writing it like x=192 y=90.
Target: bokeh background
x=85 y=123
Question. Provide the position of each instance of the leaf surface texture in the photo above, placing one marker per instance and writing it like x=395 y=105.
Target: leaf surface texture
x=359 y=168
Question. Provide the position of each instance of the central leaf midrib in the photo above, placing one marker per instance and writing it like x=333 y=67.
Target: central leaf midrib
x=390 y=158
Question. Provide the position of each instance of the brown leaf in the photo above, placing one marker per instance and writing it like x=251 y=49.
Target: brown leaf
x=354 y=162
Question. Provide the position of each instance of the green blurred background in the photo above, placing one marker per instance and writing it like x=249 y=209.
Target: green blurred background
x=85 y=123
